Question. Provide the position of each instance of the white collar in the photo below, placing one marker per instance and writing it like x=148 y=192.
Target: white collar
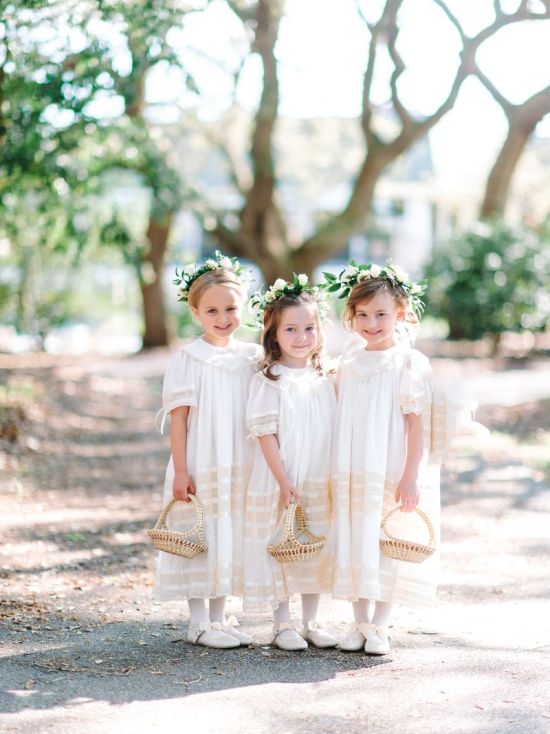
x=233 y=357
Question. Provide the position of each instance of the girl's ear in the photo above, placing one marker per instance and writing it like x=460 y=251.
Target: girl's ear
x=194 y=312
x=401 y=313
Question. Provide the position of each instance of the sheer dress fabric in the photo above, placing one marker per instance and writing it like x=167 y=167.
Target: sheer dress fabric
x=376 y=390
x=298 y=408
x=213 y=382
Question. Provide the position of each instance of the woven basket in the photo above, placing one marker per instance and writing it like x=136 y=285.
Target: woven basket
x=176 y=542
x=407 y=550
x=291 y=547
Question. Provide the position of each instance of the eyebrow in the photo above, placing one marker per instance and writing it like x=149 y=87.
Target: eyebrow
x=309 y=323
x=211 y=305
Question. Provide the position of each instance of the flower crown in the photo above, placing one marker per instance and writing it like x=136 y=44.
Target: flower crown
x=355 y=273
x=299 y=284
x=190 y=273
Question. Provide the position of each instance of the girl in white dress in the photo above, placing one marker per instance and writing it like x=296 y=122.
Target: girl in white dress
x=381 y=453
x=205 y=391
x=290 y=412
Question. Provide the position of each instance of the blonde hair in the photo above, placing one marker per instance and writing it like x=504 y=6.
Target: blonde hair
x=220 y=276
x=272 y=320
x=367 y=289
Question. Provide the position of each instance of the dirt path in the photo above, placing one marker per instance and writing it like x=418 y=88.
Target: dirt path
x=84 y=648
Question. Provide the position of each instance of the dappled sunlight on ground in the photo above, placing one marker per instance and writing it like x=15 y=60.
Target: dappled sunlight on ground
x=85 y=648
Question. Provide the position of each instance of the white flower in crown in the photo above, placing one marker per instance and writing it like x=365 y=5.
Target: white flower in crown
x=344 y=283
x=349 y=273
x=400 y=273
x=260 y=300
x=190 y=273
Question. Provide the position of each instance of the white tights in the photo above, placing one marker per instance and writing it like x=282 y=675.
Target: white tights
x=380 y=617
x=310 y=605
x=215 y=613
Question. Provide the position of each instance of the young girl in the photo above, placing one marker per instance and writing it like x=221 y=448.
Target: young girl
x=380 y=455
x=205 y=392
x=291 y=412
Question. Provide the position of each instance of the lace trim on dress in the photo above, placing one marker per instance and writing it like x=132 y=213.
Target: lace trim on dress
x=263 y=425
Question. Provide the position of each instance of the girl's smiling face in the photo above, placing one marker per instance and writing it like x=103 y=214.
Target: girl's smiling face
x=219 y=313
x=375 y=320
x=298 y=334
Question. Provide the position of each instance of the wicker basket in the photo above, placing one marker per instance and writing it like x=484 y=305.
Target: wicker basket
x=176 y=542
x=291 y=548
x=407 y=550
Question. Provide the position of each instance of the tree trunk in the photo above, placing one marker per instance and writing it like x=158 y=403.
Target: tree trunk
x=500 y=177
x=154 y=312
x=522 y=120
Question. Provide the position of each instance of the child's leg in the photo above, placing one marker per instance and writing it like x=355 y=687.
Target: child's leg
x=197 y=609
x=382 y=613
x=361 y=611
x=310 y=605
x=282 y=613
x=216 y=609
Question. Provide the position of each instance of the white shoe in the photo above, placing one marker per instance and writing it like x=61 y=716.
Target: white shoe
x=285 y=637
x=211 y=634
x=355 y=638
x=378 y=640
x=229 y=627
x=318 y=636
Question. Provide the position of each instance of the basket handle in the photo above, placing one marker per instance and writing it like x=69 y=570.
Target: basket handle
x=198 y=527
x=418 y=512
x=292 y=512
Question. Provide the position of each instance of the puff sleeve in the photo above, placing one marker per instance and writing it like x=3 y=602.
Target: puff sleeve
x=262 y=411
x=415 y=386
x=179 y=386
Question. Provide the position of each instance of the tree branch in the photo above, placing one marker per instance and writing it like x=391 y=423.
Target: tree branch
x=334 y=234
x=454 y=20
x=493 y=91
x=399 y=68
x=228 y=238
x=246 y=14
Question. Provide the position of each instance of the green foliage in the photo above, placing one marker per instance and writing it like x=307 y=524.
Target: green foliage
x=492 y=279
x=72 y=109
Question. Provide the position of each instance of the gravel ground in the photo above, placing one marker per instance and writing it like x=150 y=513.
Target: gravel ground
x=85 y=649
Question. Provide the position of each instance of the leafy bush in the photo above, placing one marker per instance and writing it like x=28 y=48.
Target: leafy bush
x=492 y=279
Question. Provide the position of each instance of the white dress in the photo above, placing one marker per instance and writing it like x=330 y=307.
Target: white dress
x=299 y=408
x=376 y=389
x=213 y=382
